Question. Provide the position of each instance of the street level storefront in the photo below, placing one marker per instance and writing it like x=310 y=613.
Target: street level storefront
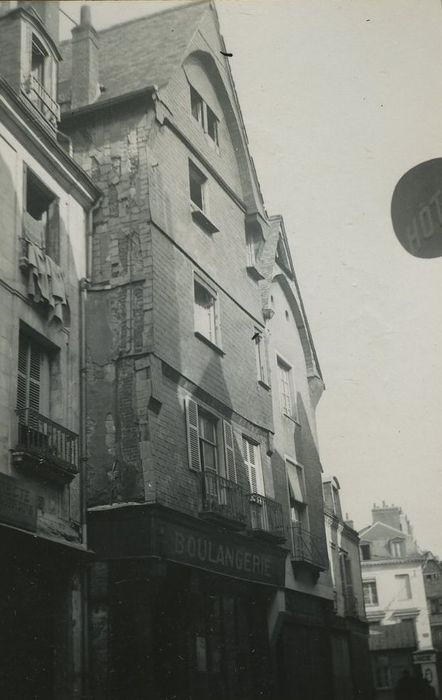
x=40 y=603
x=179 y=608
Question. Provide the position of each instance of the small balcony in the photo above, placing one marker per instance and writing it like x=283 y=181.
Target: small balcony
x=307 y=552
x=42 y=100
x=45 y=448
x=223 y=501
x=266 y=519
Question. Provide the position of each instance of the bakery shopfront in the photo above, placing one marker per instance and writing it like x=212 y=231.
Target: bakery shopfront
x=179 y=608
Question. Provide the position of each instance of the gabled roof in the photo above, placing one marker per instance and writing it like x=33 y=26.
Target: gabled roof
x=380 y=531
x=140 y=53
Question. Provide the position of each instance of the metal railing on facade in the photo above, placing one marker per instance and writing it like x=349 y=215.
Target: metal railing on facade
x=265 y=515
x=44 y=438
x=223 y=497
x=42 y=100
x=306 y=547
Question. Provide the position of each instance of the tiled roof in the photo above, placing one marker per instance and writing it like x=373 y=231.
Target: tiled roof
x=140 y=53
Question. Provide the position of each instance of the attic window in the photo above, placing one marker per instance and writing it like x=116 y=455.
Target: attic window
x=38 y=59
x=205 y=116
x=365 y=551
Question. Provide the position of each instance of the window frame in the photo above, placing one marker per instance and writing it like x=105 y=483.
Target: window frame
x=256 y=481
x=214 y=322
x=367 y=585
x=205 y=116
x=365 y=546
x=37 y=398
x=288 y=409
x=199 y=206
x=225 y=439
x=261 y=357
x=298 y=506
x=408 y=594
x=50 y=225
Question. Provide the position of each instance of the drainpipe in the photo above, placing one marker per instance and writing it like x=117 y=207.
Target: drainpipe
x=84 y=284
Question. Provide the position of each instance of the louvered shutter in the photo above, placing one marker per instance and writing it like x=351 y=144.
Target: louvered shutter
x=229 y=452
x=22 y=381
x=250 y=464
x=34 y=377
x=193 y=445
x=53 y=231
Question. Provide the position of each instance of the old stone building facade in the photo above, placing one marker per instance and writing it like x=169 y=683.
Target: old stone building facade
x=175 y=371
x=44 y=202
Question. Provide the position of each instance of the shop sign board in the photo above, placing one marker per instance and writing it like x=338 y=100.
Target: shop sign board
x=416 y=209
x=219 y=553
x=18 y=503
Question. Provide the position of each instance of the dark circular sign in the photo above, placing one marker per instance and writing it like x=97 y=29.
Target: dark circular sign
x=416 y=209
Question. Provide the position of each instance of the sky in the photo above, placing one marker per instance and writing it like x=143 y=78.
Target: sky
x=340 y=98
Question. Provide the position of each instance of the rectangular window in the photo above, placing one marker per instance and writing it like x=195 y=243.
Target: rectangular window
x=197 y=186
x=41 y=216
x=197 y=106
x=434 y=606
x=33 y=376
x=286 y=389
x=365 y=552
x=382 y=672
x=204 y=115
x=403 y=587
x=397 y=548
x=203 y=441
x=206 y=312
x=212 y=126
x=38 y=58
x=297 y=495
x=252 y=460
x=261 y=362
x=370 y=593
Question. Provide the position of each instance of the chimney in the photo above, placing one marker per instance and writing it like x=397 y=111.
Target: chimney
x=48 y=11
x=85 y=86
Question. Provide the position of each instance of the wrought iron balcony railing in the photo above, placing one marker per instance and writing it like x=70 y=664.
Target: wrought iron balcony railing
x=266 y=516
x=49 y=447
x=306 y=548
x=223 y=499
x=42 y=100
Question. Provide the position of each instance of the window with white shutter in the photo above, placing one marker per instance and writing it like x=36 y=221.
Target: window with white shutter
x=252 y=461
x=193 y=443
x=298 y=504
x=229 y=452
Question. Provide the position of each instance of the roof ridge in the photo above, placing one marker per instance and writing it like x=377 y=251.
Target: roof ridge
x=180 y=6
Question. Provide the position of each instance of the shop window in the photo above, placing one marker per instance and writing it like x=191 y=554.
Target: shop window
x=252 y=461
x=370 y=592
x=403 y=586
x=286 y=389
x=204 y=442
x=41 y=224
x=206 y=314
x=382 y=672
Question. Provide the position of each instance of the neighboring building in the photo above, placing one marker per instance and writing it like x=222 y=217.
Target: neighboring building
x=395 y=601
x=432 y=569
x=44 y=202
x=351 y=661
x=205 y=493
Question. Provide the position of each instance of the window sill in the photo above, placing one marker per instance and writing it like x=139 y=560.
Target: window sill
x=208 y=342
x=294 y=419
x=254 y=273
x=264 y=385
x=201 y=219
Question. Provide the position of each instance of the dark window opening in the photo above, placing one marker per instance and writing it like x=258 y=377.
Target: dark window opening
x=212 y=125
x=197 y=105
x=41 y=216
x=365 y=551
x=197 y=184
x=38 y=59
